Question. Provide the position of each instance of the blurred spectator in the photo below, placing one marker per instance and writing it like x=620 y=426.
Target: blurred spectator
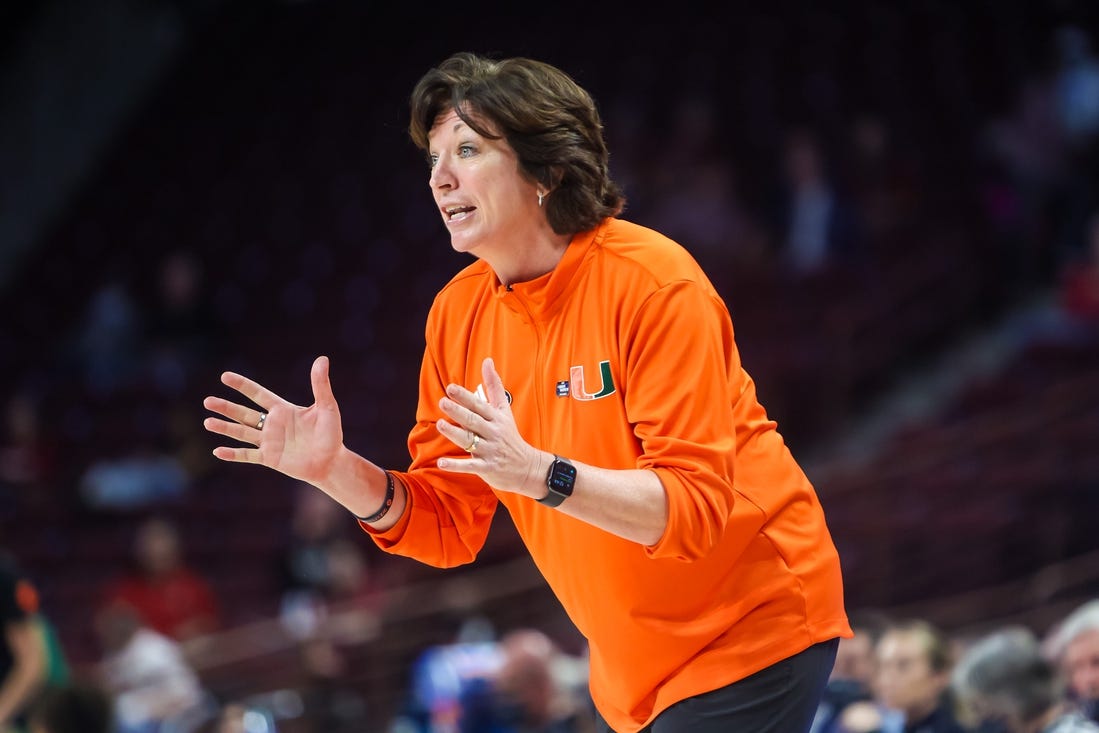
x=259 y=713
x=169 y=596
x=1076 y=89
x=24 y=666
x=183 y=330
x=1049 y=164
x=533 y=690
x=323 y=569
x=1077 y=86
x=1004 y=684
x=1074 y=647
x=317 y=522
x=1072 y=316
x=443 y=673
x=911 y=684
x=330 y=704
x=330 y=598
x=852 y=678
x=328 y=620
x=817 y=225
x=914 y=665
x=308 y=569
x=357 y=594
x=1079 y=287
x=76 y=707
x=152 y=685
x=1029 y=142
x=239 y=716
x=1028 y=163
x=702 y=209
x=884 y=184
x=696 y=201
x=28 y=455
x=231 y=718
x=149 y=475
x=108 y=341
x=351 y=579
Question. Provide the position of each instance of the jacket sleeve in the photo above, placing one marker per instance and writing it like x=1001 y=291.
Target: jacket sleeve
x=684 y=381
x=448 y=515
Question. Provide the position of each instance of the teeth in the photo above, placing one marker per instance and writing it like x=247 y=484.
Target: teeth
x=454 y=211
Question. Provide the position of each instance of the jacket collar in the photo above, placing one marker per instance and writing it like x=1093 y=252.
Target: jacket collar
x=542 y=296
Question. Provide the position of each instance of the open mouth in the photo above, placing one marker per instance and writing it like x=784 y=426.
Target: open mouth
x=457 y=213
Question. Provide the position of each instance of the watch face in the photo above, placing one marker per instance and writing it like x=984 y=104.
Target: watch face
x=562 y=477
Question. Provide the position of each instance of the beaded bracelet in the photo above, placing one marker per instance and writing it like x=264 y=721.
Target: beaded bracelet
x=385 y=504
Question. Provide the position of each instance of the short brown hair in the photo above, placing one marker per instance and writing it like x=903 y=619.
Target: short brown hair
x=548 y=119
x=936 y=644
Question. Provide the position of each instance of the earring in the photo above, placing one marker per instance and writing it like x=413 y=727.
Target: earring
x=540 y=197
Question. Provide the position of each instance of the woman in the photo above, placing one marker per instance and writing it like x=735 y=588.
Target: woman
x=582 y=372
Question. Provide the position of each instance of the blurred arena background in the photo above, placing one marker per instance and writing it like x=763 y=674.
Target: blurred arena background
x=189 y=186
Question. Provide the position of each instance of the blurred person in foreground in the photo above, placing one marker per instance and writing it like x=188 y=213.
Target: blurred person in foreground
x=1074 y=647
x=22 y=653
x=583 y=373
x=1005 y=684
x=75 y=707
x=31 y=658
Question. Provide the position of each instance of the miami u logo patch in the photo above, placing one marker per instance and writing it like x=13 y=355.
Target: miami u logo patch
x=578 y=387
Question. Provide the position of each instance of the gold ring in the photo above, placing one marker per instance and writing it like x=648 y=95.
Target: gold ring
x=473 y=446
x=262 y=420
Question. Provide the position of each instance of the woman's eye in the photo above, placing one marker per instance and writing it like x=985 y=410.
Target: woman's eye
x=465 y=151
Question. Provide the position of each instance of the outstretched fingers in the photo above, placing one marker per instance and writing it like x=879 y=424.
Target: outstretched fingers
x=237 y=455
x=494 y=384
x=235 y=430
x=241 y=423
x=456 y=434
x=254 y=391
x=233 y=411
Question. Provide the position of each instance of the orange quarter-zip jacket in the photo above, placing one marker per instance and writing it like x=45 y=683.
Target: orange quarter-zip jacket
x=623 y=357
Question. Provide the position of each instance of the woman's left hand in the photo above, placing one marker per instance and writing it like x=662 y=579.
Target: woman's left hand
x=487 y=431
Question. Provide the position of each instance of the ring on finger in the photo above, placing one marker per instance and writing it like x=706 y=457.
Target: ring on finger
x=262 y=420
x=473 y=445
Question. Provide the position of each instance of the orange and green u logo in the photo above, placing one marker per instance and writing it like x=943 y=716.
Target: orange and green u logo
x=580 y=392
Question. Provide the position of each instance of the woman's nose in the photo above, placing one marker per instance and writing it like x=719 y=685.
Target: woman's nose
x=441 y=175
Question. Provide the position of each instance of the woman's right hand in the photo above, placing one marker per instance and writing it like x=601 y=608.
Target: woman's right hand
x=301 y=442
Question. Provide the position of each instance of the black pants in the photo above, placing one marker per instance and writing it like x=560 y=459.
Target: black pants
x=782 y=698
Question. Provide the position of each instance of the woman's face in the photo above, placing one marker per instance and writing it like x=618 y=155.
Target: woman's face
x=484 y=201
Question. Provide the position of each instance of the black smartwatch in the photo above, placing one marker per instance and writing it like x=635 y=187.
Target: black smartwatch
x=560 y=481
